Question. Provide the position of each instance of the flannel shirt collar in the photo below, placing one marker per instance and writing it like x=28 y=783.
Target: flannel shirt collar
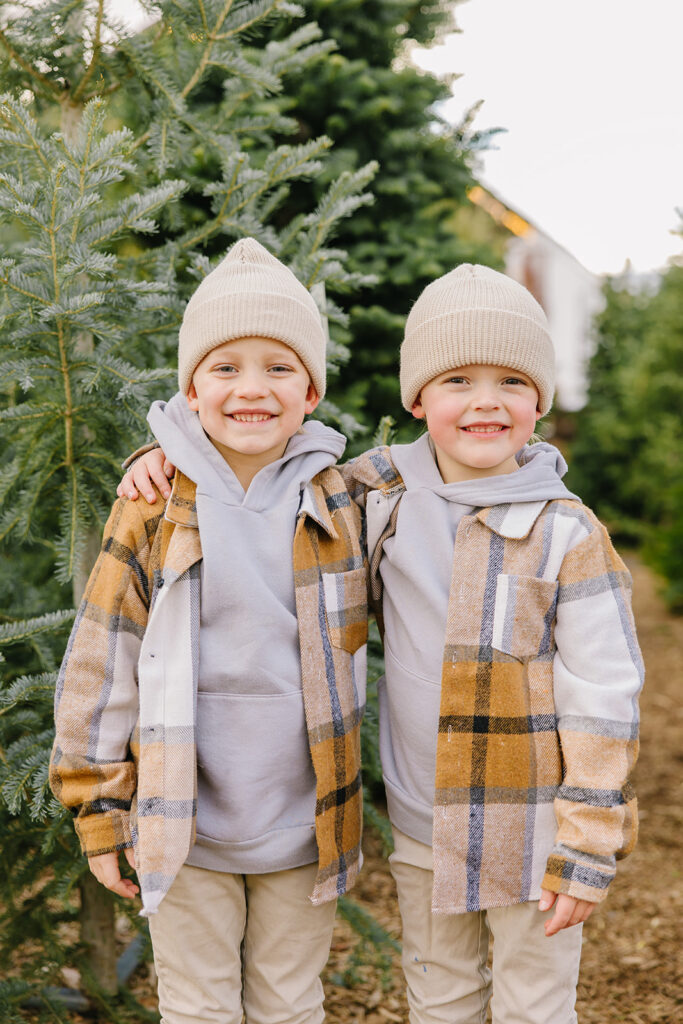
x=181 y=507
x=314 y=505
x=514 y=521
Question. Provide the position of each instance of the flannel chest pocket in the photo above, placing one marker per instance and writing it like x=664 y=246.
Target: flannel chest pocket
x=524 y=616
x=346 y=608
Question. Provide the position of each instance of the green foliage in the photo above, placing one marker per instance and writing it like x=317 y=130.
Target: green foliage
x=627 y=461
x=39 y=860
x=375 y=106
x=60 y=285
x=375 y=945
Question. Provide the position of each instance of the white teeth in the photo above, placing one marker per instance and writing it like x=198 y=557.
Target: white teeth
x=485 y=430
x=250 y=417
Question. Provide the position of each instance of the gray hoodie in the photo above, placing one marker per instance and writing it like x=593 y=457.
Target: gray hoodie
x=416 y=571
x=255 y=779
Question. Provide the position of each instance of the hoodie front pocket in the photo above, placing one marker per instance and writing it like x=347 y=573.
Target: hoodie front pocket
x=346 y=608
x=524 y=616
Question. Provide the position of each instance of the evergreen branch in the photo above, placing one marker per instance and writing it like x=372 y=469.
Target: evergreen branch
x=27 y=689
x=25 y=412
x=285 y=163
x=25 y=122
x=202 y=12
x=243 y=19
x=68 y=398
x=15 y=632
x=73 y=522
x=31 y=71
x=7 y=281
x=203 y=60
x=96 y=47
x=91 y=121
x=137 y=211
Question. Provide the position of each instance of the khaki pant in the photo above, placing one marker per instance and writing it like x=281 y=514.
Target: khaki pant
x=227 y=945
x=444 y=960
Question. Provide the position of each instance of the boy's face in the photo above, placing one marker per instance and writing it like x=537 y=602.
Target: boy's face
x=251 y=395
x=478 y=418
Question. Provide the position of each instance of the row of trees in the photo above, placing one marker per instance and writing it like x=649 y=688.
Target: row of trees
x=129 y=165
x=627 y=460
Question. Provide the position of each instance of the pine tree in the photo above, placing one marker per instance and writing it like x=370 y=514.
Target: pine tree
x=626 y=459
x=109 y=229
x=376 y=105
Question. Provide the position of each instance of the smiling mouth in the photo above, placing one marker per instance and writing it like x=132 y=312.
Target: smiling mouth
x=251 y=417
x=485 y=428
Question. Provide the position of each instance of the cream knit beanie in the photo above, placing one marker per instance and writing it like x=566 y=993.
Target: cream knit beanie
x=475 y=315
x=251 y=293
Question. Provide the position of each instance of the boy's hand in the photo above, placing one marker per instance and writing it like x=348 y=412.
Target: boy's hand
x=568 y=911
x=152 y=467
x=105 y=868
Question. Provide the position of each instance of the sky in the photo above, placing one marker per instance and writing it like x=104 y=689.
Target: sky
x=590 y=93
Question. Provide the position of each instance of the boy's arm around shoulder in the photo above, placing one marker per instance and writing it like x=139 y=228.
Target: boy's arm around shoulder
x=597 y=676
x=96 y=701
x=373 y=470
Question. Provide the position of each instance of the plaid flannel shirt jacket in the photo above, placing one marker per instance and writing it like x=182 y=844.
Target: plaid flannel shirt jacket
x=124 y=758
x=540 y=682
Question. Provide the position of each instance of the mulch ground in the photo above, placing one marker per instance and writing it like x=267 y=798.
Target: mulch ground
x=631 y=967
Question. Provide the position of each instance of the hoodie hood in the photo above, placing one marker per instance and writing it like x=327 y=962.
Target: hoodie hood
x=178 y=430
x=539 y=477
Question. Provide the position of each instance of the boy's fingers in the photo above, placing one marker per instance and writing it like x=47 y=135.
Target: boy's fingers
x=159 y=476
x=150 y=470
x=547 y=899
x=126 y=488
x=130 y=856
x=105 y=868
x=142 y=481
x=564 y=908
x=568 y=912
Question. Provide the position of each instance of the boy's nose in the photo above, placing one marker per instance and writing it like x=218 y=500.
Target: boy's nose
x=252 y=385
x=485 y=398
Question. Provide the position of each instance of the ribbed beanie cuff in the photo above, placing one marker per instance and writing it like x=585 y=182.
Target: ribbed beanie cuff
x=474 y=315
x=251 y=294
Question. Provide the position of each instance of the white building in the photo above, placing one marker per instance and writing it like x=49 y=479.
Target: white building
x=569 y=294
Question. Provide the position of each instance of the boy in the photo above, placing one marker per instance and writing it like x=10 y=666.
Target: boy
x=209 y=703
x=508 y=717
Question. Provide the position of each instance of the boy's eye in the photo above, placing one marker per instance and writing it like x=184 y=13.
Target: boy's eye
x=515 y=380
x=227 y=368
x=455 y=379
x=281 y=368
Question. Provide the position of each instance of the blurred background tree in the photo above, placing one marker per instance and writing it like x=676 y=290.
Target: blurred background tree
x=375 y=105
x=626 y=461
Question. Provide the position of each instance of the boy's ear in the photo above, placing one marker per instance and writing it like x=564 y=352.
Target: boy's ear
x=192 y=398
x=538 y=415
x=312 y=400
x=417 y=408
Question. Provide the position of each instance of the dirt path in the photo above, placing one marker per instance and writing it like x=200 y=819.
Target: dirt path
x=631 y=966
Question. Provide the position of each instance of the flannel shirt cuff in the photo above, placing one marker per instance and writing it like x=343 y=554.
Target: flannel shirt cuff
x=138 y=453
x=104 y=833
x=585 y=876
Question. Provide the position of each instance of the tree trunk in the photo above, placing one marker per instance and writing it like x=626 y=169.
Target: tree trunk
x=97 y=932
x=97 y=917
